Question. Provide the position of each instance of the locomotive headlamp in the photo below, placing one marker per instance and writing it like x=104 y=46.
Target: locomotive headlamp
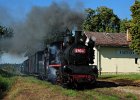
x=64 y=66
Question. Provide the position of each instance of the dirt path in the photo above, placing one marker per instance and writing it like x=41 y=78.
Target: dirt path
x=121 y=87
x=129 y=89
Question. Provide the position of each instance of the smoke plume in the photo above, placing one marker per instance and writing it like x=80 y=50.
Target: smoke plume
x=40 y=25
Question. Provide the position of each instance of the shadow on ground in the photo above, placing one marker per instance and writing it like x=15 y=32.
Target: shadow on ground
x=109 y=84
x=99 y=84
x=105 y=84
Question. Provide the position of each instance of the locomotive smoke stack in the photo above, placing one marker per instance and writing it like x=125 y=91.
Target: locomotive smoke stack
x=77 y=36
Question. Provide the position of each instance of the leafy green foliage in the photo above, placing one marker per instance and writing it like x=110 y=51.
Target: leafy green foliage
x=10 y=69
x=5 y=32
x=124 y=25
x=101 y=20
x=5 y=73
x=6 y=81
x=135 y=27
x=5 y=84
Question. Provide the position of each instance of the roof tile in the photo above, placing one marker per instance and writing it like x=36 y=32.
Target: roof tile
x=109 y=39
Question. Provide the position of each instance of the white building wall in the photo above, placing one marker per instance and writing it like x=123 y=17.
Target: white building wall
x=119 y=59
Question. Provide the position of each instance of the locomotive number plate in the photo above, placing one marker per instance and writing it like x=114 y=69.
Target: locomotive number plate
x=80 y=50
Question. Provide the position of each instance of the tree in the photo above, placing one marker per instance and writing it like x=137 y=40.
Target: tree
x=1 y=31
x=124 y=25
x=5 y=32
x=135 y=27
x=88 y=24
x=101 y=20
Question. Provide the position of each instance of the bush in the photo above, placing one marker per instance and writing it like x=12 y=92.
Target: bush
x=4 y=83
x=5 y=73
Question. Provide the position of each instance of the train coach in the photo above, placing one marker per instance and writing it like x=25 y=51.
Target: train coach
x=67 y=62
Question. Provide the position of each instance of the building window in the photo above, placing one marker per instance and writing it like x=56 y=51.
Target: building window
x=136 y=60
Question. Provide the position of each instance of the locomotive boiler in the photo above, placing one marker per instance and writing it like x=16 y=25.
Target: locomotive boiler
x=70 y=61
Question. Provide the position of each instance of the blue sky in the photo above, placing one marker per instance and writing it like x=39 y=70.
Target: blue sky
x=18 y=9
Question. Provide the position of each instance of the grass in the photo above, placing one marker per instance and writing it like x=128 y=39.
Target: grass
x=30 y=88
x=70 y=93
x=121 y=76
x=5 y=84
x=6 y=81
x=131 y=96
x=93 y=94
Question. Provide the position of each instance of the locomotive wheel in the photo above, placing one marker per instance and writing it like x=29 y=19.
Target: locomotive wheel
x=58 y=80
x=61 y=82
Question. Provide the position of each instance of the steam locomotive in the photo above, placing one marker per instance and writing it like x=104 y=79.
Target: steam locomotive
x=67 y=62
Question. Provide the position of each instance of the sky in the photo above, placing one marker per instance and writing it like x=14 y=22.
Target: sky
x=8 y=58
x=18 y=9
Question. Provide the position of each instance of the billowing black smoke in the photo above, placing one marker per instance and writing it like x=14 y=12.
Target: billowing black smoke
x=42 y=23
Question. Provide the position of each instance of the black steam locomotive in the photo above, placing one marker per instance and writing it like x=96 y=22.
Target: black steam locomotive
x=67 y=62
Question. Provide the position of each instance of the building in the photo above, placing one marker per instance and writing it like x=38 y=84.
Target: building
x=112 y=53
